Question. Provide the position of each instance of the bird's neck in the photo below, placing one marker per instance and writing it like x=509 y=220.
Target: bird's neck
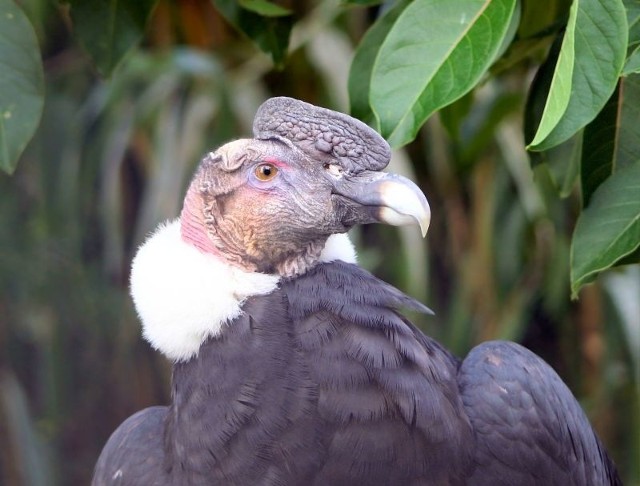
x=193 y=228
x=184 y=294
x=198 y=229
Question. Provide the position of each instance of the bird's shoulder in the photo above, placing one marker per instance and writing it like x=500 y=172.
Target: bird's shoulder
x=529 y=427
x=388 y=390
x=134 y=453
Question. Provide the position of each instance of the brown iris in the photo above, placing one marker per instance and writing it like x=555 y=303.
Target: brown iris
x=266 y=172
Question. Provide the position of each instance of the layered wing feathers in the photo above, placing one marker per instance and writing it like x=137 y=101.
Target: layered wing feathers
x=530 y=429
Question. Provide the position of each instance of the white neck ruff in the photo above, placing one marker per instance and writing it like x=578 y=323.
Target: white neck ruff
x=184 y=296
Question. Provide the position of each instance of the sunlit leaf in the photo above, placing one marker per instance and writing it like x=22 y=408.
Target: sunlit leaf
x=435 y=52
x=559 y=92
x=512 y=30
x=21 y=84
x=264 y=8
x=362 y=64
x=537 y=96
x=108 y=30
x=609 y=228
x=591 y=59
x=269 y=33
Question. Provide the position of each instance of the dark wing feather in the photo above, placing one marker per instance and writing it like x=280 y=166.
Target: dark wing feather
x=133 y=454
x=388 y=404
x=530 y=429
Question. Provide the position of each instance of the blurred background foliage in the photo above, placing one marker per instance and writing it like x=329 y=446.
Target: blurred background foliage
x=118 y=142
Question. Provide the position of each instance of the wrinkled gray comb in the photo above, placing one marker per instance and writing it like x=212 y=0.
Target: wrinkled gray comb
x=319 y=131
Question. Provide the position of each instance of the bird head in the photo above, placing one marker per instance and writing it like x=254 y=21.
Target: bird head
x=269 y=203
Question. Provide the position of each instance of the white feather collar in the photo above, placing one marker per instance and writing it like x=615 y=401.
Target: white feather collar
x=184 y=296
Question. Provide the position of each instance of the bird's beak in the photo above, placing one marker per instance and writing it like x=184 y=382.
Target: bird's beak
x=387 y=198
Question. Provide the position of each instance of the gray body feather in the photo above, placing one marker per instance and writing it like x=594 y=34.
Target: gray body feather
x=323 y=382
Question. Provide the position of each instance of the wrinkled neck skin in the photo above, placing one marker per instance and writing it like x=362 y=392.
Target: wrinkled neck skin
x=198 y=228
x=193 y=227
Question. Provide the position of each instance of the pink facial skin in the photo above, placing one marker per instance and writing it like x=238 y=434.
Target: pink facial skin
x=192 y=225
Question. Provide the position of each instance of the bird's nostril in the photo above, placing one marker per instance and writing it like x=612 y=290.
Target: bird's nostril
x=334 y=169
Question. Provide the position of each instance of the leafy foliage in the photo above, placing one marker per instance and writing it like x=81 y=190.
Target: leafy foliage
x=267 y=24
x=425 y=54
x=108 y=30
x=413 y=76
x=609 y=228
x=515 y=233
x=21 y=84
x=588 y=67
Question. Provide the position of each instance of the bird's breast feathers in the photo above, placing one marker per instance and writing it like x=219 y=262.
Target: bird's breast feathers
x=184 y=296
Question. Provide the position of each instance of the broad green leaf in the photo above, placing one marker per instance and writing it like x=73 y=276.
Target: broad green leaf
x=633 y=63
x=537 y=96
x=599 y=148
x=264 y=8
x=436 y=51
x=590 y=62
x=21 y=84
x=560 y=89
x=108 y=29
x=612 y=140
x=269 y=33
x=512 y=30
x=362 y=64
x=609 y=228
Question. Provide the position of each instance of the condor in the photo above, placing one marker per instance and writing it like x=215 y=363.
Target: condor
x=293 y=366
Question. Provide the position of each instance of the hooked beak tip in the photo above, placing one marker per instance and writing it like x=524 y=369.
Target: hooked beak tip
x=403 y=203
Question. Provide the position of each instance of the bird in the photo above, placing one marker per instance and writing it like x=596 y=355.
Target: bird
x=292 y=365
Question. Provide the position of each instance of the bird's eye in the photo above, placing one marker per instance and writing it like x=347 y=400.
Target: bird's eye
x=266 y=172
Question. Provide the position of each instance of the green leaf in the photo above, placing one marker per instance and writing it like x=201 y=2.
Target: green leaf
x=612 y=140
x=536 y=22
x=591 y=59
x=270 y=34
x=608 y=229
x=435 y=52
x=362 y=64
x=21 y=84
x=633 y=63
x=109 y=29
x=560 y=89
x=537 y=96
x=633 y=19
x=599 y=148
x=264 y=8
x=628 y=147
x=563 y=163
